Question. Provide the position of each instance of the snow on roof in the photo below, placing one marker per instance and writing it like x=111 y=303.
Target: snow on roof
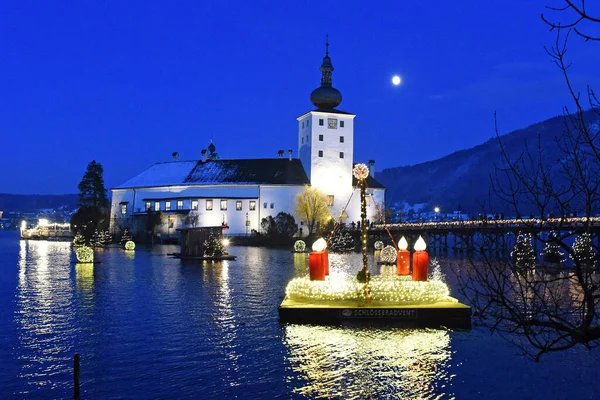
x=243 y=171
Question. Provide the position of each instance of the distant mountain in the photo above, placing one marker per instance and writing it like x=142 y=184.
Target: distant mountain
x=463 y=177
x=36 y=202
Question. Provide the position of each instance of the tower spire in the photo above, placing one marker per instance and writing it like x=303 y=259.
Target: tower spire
x=326 y=96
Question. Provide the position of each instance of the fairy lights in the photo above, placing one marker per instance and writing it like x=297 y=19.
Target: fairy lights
x=130 y=245
x=397 y=290
x=388 y=255
x=84 y=254
x=300 y=246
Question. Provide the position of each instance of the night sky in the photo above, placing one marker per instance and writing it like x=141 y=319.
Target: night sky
x=128 y=83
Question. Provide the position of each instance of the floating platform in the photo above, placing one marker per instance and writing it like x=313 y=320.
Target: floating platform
x=221 y=258
x=446 y=314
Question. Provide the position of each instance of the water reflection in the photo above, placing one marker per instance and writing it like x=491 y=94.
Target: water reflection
x=44 y=310
x=368 y=363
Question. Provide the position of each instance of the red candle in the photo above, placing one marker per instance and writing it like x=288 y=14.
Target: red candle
x=316 y=266
x=420 y=261
x=326 y=262
x=420 y=265
x=403 y=262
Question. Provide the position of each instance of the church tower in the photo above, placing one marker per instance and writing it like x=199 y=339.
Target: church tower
x=326 y=141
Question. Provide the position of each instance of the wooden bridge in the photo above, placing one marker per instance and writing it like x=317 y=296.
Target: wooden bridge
x=492 y=234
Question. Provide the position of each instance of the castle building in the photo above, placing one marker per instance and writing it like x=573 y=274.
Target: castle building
x=240 y=193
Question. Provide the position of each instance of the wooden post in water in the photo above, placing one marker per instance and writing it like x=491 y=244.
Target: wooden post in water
x=76 y=362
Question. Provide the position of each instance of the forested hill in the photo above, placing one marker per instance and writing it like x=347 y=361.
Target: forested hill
x=463 y=177
x=35 y=202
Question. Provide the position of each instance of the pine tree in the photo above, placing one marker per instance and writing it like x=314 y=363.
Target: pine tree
x=523 y=254
x=584 y=254
x=125 y=237
x=92 y=214
x=552 y=253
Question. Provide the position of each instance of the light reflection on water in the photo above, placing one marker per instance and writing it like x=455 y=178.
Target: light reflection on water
x=368 y=363
x=148 y=325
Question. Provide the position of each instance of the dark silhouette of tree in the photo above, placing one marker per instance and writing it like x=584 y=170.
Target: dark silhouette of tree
x=92 y=214
x=544 y=312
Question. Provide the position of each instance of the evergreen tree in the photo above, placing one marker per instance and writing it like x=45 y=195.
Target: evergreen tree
x=92 y=214
x=583 y=250
x=341 y=242
x=552 y=253
x=523 y=254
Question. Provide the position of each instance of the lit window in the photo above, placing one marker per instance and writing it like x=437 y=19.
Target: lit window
x=320 y=121
x=194 y=204
x=180 y=204
x=209 y=204
x=341 y=139
x=272 y=205
x=252 y=205
x=157 y=206
x=223 y=205
x=320 y=153
x=148 y=205
x=238 y=205
x=167 y=206
x=320 y=138
x=265 y=205
x=329 y=199
x=124 y=208
x=331 y=123
x=341 y=124
x=341 y=154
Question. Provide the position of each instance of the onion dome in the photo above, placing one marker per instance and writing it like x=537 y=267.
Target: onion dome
x=326 y=96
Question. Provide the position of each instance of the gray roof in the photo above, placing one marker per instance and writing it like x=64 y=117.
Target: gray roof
x=275 y=171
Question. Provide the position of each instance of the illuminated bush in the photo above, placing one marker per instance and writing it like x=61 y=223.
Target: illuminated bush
x=299 y=246
x=388 y=255
x=84 y=254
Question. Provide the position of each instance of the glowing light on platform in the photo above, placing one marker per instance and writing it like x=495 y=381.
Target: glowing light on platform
x=130 y=245
x=403 y=244
x=420 y=244
x=398 y=290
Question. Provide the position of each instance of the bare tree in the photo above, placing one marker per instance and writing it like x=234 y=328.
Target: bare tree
x=545 y=310
x=312 y=208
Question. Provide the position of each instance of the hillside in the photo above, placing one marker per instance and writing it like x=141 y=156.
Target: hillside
x=463 y=177
x=36 y=202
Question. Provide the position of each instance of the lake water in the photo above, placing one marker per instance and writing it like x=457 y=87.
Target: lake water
x=150 y=326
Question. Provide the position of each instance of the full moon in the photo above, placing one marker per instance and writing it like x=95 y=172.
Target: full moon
x=396 y=80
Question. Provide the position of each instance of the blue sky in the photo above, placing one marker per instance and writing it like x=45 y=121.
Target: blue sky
x=128 y=83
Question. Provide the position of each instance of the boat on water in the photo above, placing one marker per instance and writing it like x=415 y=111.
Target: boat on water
x=46 y=230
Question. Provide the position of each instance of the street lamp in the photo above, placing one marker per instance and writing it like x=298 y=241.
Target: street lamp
x=436 y=210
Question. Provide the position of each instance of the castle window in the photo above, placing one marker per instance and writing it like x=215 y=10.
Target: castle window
x=167 y=206
x=320 y=138
x=123 y=208
x=148 y=205
x=330 y=199
x=302 y=124
x=341 y=139
x=341 y=124
x=238 y=205
x=265 y=205
x=341 y=154
x=272 y=205
x=180 y=204
x=194 y=204
x=209 y=205
x=223 y=205
x=302 y=139
x=320 y=153
x=320 y=121
x=331 y=123
x=307 y=122
x=157 y=206
x=252 y=205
